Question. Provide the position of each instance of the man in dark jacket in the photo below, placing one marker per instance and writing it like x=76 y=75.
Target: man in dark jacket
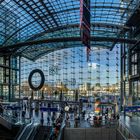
x=1 y=109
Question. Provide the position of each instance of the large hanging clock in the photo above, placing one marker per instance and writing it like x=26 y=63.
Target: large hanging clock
x=39 y=84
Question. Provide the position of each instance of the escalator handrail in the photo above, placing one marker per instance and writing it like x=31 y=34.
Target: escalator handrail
x=5 y=122
x=126 y=129
x=122 y=134
x=22 y=133
x=61 y=130
x=32 y=133
x=19 y=132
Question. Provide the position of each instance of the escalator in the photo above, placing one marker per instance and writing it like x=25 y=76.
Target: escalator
x=5 y=123
x=9 y=123
x=61 y=132
x=28 y=132
x=11 y=127
x=9 y=134
x=7 y=120
x=6 y=134
x=43 y=133
x=34 y=132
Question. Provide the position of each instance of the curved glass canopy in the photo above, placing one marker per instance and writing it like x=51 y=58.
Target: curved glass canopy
x=32 y=28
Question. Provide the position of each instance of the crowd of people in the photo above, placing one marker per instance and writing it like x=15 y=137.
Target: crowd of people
x=103 y=118
x=55 y=119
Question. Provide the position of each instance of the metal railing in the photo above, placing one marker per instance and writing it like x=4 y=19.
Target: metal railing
x=26 y=132
x=61 y=132
x=9 y=118
x=92 y=123
x=19 y=132
x=32 y=134
x=15 y=120
x=125 y=132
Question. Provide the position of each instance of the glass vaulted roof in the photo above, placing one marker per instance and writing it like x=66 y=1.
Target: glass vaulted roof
x=25 y=22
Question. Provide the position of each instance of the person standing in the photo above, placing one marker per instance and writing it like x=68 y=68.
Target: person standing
x=1 y=109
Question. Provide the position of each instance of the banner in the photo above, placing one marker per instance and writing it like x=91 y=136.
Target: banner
x=132 y=109
x=85 y=24
x=47 y=109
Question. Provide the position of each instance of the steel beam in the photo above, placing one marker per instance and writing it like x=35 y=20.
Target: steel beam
x=93 y=7
x=40 y=17
x=105 y=25
x=64 y=47
x=67 y=39
x=48 y=11
x=36 y=13
x=1 y=1
x=29 y=14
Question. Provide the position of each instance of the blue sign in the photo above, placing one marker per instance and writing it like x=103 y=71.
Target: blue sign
x=17 y=108
x=25 y=98
x=9 y=107
x=13 y=108
x=48 y=109
x=84 y=100
x=132 y=109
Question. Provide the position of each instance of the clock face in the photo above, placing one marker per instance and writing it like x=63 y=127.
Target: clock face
x=66 y=108
x=36 y=79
